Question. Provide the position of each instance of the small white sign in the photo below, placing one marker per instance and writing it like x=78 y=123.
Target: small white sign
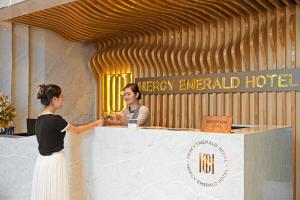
x=132 y=124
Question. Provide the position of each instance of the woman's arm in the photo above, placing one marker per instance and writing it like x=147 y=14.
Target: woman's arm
x=143 y=115
x=83 y=128
x=112 y=122
x=120 y=120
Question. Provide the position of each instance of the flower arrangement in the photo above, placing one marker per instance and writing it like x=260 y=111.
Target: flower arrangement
x=7 y=111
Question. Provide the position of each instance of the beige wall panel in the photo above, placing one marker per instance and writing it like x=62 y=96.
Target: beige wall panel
x=36 y=68
x=6 y=58
x=20 y=75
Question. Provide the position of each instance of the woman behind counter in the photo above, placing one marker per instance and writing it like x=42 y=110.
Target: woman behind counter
x=135 y=110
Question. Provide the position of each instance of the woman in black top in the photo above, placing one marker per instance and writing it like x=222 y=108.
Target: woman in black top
x=50 y=177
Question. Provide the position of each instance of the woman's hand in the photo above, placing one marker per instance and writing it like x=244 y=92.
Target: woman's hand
x=124 y=119
x=99 y=122
x=107 y=121
x=116 y=120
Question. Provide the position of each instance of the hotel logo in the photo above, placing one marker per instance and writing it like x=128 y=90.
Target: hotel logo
x=207 y=163
x=112 y=93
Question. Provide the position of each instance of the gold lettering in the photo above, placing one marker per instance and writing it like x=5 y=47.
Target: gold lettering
x=224 y=83
x=145 y=86
x=291 y=81
x=235 y=82
x=247 y=81
x=199 y=84
x=141 y=86
x=263 y=78
x=170 y=84
x=219 y=82
x=271 y=77
x=190 y=84
x=155 y=86
x=282 y=80
x=182 y=84
x=207 y=83
x=149 y=86
x=163 y=86
x=216 y=84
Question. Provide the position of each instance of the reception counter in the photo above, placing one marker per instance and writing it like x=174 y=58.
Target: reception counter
x=115 y=163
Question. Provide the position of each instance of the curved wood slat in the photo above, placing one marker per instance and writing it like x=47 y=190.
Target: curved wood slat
x=220 y=63
x=235 y=50
x=272 y=38
x=254 y=42
x=212 y=49
x=292 y=33
x=204 y=53
x=263 y=41
x=198 y=49
x=228 y=46
x=282 y=27
x=245 y=44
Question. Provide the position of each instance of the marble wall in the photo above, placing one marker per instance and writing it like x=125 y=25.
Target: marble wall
x=31 y=56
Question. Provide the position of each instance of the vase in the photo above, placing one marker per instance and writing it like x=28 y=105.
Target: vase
x=9 y=131
x=2 y=128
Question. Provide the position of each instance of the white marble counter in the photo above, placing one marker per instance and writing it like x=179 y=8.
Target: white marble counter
x=155 y=164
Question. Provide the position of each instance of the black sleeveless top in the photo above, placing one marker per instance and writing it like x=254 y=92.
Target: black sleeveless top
x=50 y=133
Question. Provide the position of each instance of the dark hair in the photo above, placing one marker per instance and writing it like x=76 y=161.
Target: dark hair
x=134 y=88
x=47 y=92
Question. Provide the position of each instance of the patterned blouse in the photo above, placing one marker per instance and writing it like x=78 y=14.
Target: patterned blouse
x=140 y=112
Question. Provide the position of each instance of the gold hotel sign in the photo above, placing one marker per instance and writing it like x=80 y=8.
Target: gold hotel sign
x=256 y=81
x=112 y=93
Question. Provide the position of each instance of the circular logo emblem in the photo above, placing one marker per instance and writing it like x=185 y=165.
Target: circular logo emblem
x=207 y=163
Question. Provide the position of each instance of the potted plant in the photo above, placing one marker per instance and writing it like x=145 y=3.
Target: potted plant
x=7 y=115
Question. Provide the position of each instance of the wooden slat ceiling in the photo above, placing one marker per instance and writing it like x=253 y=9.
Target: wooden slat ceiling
x=94 y=20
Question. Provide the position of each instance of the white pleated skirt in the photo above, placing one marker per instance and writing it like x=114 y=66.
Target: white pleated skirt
x=50 y=180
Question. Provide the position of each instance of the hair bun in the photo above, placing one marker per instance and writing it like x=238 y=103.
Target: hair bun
x=47 y=92
x=41 y=91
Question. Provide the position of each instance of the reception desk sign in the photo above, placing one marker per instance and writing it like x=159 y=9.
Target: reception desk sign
x=256 y=81
x=220 y=124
